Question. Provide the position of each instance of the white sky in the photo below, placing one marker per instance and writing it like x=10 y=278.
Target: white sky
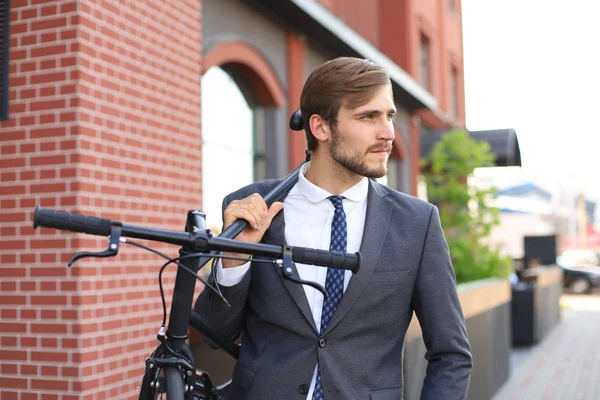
x=534 y=66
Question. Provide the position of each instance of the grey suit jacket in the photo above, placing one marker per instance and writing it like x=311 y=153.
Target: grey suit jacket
x=405 y=266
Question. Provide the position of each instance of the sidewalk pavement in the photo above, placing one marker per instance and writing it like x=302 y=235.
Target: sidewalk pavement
x=566 y=364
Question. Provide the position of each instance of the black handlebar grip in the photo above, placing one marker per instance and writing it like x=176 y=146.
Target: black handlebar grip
x=71 y=222
x=326 y=258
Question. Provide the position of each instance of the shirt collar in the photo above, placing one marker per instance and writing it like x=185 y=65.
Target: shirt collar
x=316 y=194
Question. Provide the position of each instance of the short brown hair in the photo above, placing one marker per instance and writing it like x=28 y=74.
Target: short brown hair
x=344 y=80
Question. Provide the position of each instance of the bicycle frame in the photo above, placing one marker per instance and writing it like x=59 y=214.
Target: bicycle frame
x=182 y=315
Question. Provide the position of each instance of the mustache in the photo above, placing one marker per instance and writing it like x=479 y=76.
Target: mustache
x=379 y=147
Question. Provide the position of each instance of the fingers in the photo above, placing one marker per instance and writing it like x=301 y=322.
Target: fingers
x=273 y=211
x=252 y=209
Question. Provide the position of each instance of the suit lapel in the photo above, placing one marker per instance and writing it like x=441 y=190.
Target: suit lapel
x=377 y=220
x=276 y=235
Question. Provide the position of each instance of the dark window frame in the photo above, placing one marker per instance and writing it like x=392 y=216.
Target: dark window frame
x=453 y=89
x=425 y=61
x=4 y=55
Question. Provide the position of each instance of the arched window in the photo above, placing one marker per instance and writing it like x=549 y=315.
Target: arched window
x=243 y=124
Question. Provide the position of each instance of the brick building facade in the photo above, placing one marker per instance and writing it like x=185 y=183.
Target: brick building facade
x=105 y=120
x=104 y=100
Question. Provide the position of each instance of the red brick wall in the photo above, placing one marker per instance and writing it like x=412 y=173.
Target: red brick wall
x=453 y=39
x=104 y=120
x=396 y=32
x=443 y=26
x=401 y=26
x=362 y=16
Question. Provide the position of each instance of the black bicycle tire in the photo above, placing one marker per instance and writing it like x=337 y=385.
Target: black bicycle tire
x=173 y=383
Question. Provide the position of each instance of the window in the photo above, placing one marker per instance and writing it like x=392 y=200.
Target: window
x=424 y=62
x=4 y=52
x=453 y=91
x=228 y=142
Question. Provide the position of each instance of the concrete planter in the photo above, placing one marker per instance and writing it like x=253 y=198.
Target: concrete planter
x=487 y=308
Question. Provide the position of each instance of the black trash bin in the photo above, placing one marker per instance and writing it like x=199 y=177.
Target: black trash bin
x=523 y=313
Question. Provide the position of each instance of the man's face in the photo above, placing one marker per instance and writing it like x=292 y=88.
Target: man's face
x=362 y=139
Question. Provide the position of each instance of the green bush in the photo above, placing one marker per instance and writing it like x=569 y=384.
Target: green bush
x=464 y=211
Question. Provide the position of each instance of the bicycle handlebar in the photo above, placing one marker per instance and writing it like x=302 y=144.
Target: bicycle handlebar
x=199 y=241
x=71 y=222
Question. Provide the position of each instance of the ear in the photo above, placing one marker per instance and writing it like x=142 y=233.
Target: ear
x=319 y=127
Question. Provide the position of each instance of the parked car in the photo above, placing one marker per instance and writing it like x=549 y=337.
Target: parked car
x=581 y=270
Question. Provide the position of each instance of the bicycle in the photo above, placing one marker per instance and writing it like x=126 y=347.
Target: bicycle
x=170 y=369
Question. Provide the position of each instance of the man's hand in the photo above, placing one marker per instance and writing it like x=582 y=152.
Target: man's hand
x=254 y=210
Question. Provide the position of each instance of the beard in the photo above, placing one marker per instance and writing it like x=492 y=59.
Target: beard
x=353 y=160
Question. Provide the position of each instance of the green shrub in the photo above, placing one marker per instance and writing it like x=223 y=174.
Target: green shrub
x=465 y=213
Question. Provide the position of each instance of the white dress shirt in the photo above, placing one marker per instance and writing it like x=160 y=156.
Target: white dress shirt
x=308 y=217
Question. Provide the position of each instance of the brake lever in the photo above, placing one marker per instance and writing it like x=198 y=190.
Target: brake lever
x=290 y=272
x=113 y=247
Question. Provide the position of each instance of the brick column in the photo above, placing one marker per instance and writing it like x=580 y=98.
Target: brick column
x=105 y=121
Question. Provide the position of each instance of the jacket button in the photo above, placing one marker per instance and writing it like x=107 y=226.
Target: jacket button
x=322 y=342
x=303 y=389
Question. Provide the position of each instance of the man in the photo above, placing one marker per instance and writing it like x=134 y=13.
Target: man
x=297 y=345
